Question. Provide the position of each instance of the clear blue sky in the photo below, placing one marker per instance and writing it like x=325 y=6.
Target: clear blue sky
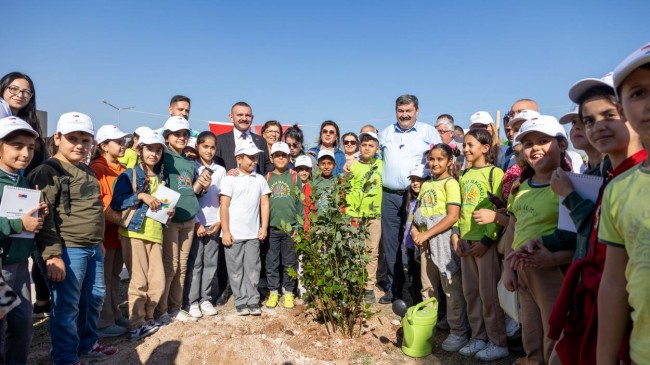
x=308 y=61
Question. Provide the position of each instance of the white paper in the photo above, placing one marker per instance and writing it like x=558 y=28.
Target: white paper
x=587 y=186
x=16 y=202
x=168 y=198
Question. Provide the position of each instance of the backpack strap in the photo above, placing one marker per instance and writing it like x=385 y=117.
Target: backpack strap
x=490 y=179
x=64 y=177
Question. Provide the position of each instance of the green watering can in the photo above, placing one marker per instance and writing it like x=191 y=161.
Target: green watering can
x=418 y=324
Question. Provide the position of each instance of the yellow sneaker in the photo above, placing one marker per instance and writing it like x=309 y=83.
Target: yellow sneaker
x=288 y=300
x=272 y=302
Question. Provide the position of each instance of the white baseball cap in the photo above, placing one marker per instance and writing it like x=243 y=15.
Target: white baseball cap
x=75 y=122
x=566 y=118
x=5 y=110
x=372 y=135
x=303 y=160
x=523 y=116
x=142 y=130
x=419 y=170
x=515 y=141
x=545 y=124
x=10 y=124
x=637 y=59
x=151 y=137
x=580 y=88
x=247 y=148
x=280 y=147
x=108 y=132
x=326 y=153
x=191 y=142
x=175 y=124
x=483 y=118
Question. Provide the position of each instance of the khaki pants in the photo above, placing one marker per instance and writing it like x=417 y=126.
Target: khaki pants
x=143 y=260
x=177 y=243
x=373 y=225
x=453 y=289
x=538 y=289
x=480 y=278
x=113 y=263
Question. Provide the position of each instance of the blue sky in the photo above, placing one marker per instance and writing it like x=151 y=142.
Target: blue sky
x=308 y=61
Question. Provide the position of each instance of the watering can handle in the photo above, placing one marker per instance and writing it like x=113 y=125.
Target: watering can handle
x=417 y=307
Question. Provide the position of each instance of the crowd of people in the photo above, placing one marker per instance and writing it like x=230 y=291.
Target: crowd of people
x=464 y=212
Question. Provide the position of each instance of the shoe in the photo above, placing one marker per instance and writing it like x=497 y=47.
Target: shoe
x=122 y=322
x=492 y=352
x=223 y=298
x=272 y=302
x=78 y=363
x=182 y=316
x=208 y=309
x=42 y=311
x=195 y=311
x=288 y=300
x=442 y=324
x=387 y=298
x=111 y=331
x=99 y=353
x=473 y=346
x=243 y=311
x=148 y=328
x=454 y=343
x=512 y=328
x=255 y=310
x=163 y=320
x=369 y=297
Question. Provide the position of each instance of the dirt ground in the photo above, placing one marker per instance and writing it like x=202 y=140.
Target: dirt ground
x=279 y=336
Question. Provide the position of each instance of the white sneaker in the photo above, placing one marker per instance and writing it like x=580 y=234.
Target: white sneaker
x=473 y=346
x=454 y=343
x=492 y=352
x=208 y=309
x=182 y=316
x=512 y=327
x=195 y=311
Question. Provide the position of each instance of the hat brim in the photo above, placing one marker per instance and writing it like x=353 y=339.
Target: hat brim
x=84 y=130
x=580 y=88
x=566 y=118
x=248 y=152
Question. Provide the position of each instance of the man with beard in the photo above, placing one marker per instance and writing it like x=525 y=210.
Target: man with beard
x=403 y=145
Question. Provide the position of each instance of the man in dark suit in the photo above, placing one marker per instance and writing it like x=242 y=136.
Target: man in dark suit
x=241 y=116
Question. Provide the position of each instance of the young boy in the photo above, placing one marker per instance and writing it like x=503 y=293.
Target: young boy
x=324 y=183
x=285 y=206
x=364 y=202
x=244 y=198
x=625 y=227
x=70 y=243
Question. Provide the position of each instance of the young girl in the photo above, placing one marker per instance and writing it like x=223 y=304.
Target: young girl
x=439 y=210
x=204 y=255
x=105 y=165
x=17 y=140
x=477 y=249
x=418 y=175
x=533 y=207
x=180 y=175
x=142 y=240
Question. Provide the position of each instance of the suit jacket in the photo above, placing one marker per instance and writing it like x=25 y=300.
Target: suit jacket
x=225 y=155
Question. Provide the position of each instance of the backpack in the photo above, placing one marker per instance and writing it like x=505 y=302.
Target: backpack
x=64 y=177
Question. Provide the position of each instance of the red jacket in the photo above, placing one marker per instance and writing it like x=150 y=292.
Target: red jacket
x=106 y=175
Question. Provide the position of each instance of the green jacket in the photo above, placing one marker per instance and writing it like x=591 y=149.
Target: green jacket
x=180 y=175
x=14 y=250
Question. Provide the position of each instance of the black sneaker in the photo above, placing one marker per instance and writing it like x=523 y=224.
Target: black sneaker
x=223 y=298
x=369 y=297
x=148 y=328
x=42 y=311
x=387 y=298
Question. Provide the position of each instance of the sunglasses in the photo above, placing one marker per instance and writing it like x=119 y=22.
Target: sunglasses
x=350 y=143
x=293 y=145
x=328 y=131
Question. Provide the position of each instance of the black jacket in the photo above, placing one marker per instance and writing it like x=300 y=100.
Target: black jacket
x=225 y=155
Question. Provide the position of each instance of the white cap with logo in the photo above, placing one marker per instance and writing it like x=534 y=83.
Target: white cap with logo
x=247 y=147
x=142 y=130
x=108 y=132
x=280 y=147
x=419 y=170
x=11 y=124
x=544 y=124
x=372 y=135
x=483 y=118
x=303 y=160
x=580 y=88
x=75 y=122
x=523 y=116
x=175 y=124
x=151 y=137
x=326 y=153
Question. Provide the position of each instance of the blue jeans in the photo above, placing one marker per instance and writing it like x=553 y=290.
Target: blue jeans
x=76 y=303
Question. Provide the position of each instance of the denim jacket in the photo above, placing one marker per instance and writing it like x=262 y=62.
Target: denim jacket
x=124 y=197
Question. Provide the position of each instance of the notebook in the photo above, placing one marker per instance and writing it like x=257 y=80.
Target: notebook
x=585 y=185
x=16 y=202
x=168 y=198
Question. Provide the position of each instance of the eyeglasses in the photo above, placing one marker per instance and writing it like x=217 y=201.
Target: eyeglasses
x=272 y=132
x=443 y=132
x=293 y=145
x=15 y=90
x=350 y=143
x=328 y=131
